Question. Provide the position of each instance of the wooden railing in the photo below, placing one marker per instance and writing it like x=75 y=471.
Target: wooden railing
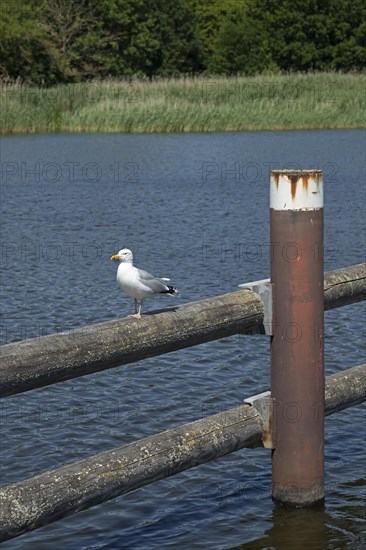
x=42 y=361
x=289 y=308
x=58 y=493
x=33 y=363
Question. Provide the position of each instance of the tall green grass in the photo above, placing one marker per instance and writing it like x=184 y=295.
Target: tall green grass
x=263 y=102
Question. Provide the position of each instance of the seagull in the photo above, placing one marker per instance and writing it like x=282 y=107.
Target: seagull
x=137 y=283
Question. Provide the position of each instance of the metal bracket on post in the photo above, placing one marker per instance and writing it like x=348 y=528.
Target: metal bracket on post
x=264 y=290
x=263 y=403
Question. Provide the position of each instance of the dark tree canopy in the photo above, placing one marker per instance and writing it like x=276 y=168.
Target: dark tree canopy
x=51 y=41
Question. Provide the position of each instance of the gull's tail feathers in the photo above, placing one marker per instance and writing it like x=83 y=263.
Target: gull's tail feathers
x=171 y=291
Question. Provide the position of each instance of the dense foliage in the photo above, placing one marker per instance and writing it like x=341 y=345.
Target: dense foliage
x=51 y=41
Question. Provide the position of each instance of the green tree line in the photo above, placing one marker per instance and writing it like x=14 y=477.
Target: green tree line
x=51 y=41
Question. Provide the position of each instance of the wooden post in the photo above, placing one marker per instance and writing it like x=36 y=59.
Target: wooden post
x=297 y=366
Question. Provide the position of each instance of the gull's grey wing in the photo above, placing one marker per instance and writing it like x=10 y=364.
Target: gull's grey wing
x=156 y=285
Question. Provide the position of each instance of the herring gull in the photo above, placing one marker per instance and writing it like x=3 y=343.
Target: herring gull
x=137 y=283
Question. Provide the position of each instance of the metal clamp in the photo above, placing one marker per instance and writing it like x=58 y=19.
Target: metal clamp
x=264 y=290
x=263 y=403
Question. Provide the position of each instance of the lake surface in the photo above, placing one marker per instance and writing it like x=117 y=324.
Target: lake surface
x=195 y=208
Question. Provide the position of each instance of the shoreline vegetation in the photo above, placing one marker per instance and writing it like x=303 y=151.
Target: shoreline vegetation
x=295 y=101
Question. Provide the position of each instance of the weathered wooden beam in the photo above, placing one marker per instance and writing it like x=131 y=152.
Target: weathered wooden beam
x=55 y=494
x=345 y=389
x=50 y=359
x=344 y=286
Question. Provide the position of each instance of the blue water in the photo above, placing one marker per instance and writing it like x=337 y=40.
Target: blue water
x=195 y=208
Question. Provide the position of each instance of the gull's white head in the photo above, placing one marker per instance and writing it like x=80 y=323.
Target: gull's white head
x=124 y=255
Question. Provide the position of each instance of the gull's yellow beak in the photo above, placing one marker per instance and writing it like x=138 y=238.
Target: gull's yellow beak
x=115 y=257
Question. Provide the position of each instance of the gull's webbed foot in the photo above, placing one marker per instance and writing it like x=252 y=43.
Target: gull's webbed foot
x=136 y=315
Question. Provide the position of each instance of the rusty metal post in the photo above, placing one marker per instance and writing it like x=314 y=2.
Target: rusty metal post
x=297 y=365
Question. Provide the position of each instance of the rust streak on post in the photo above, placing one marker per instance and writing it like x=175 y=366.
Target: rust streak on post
x=297 y=368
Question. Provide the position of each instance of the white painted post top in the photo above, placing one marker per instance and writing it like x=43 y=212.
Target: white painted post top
x=296 y=189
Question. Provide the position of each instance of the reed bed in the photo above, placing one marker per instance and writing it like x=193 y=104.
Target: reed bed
x=187 y=104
